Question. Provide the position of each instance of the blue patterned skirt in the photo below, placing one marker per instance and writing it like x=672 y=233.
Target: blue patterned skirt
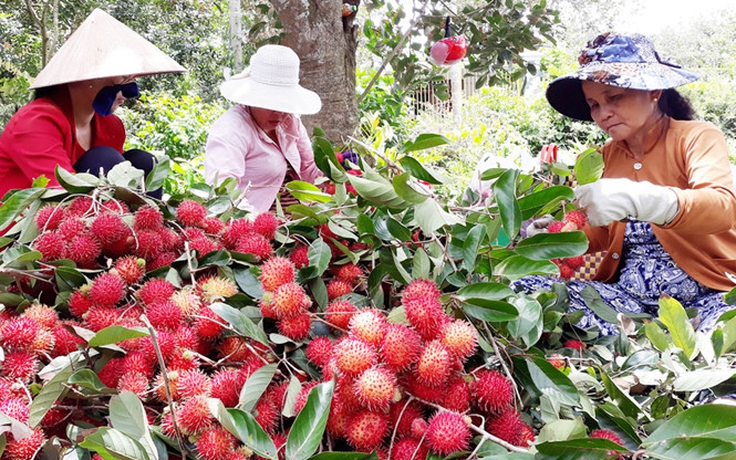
x=646 y=272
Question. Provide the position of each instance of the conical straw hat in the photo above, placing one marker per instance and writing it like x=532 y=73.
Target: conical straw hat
x=104 y=47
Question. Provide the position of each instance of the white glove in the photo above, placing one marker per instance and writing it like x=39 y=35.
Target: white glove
x=609 y=200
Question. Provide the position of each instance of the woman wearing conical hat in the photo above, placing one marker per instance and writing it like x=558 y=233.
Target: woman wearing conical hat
x=70 y=122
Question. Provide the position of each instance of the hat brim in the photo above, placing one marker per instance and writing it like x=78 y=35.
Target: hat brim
x=104 y=47
x=565 y=94
x=293 y=99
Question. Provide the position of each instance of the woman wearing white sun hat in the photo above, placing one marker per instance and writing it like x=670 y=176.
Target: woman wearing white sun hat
x=70 y=122
x=260 y=141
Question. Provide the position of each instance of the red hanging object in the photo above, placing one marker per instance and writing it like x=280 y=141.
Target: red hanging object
x=449 y=50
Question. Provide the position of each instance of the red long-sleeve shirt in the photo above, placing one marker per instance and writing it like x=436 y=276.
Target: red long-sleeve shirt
x=42 y=135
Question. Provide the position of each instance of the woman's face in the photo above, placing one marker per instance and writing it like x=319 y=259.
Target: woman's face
x=622 y=113
x=267 y=119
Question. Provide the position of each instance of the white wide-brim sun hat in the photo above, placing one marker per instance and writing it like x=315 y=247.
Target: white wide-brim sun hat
x=103 y=47
x=272 y=82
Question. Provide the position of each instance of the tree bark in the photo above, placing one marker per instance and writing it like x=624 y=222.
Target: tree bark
x=326 y=43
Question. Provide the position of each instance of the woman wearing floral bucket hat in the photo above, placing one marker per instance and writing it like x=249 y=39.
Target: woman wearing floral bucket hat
x=260 y=141
x=70 y=122
x=665 y=207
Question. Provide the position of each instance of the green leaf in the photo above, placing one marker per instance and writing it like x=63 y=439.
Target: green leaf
x=88 y=379
x=17 y=203
x=243 y=426
x=376 y=189
x=241 y=323
x=76 y=183
x=159 y=173
x=729 y=335
x=693 y=449
x=396 y=229
x=547 y=246
x=472 y=245
x=706 y=421
x=430 y=216
x=486 y=291
x=548 y=380
x=319 y=255
x=588 y=167
x=306 y=432
x=113 y=444
x=517 y=266
x=681 y=329
x=532 y=204
x=528 y=325
x=660 y=340
x=593 y=300
x=418 y=170
x=702 y=379
x=425 y=141
x=115 y=334
x=129 y=417
x=124 y=174
x=494 y=311
x=576 y=449
x=306 y=192
x=627 y=405
x=248 y=282
x=365 y=225
x=562 y=430
x=421 y=264
x=255 y=385
x=505 y=193
x=406 y=189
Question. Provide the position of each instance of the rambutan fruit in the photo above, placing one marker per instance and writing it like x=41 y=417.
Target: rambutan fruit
x=299 y=256
x=44 y=342
x=368 y=325
x=130 y=269
x=79 y=303
x=116 y=206
x=194 y=416
x=376 y=388
x=366 y=429
x=111 y=372
x=51 y=245
x=578 y=218
x=603 y=433
x=416 y=387
x=556 y=226
x=214 y=288
x=566 y=272
x=134 y=382
x=71 y=227
x=21 y=365
x=216 y=444
x=320 y=351
x=574 y=262
x=209 y=325
x=137 y=362
x=288 y=300
x=339 y=313
x=460 y=338
x=108 y=228
x=295 y=327
x=402 y=414
x=433 y=366
x=234 y=231
x=509 y=427
x=16 y=406
x=256 y=245
x=18 y=333
x=148 y=217
x=400 y=347
x=107 y=290
x=448 y=432
x=191 y=213
x=337 y=289
x=275 y=272
x=492 y=392
x=64 y=341
x=203 y=245
x=338 y=419
x=349 y=273
x=148 y=245
x=267 y=415
x=83 y=250
x=574 y=344
x=409 y=449
x=25 y=448
x=353 y=356
x=189 y=300
x=44 y=315
x=266 y=224
x=98 y=318
x=423 y=308
x=155 y=290
x=48 y=218
x=457 y=395
x=80 y=206
x=226 y=385
x=182 y=359
x=191 y=383
x=213 y=226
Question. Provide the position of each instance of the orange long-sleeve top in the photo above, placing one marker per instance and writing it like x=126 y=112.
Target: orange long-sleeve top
x=691 y=158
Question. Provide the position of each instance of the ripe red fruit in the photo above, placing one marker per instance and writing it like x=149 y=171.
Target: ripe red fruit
x=574 y=262
x=578 y=218
x=191 y=214
x=44 y=315
x=108 y=228
x=266 y=224
x=300 y=256
x=288 y=300
x=192 y=383
x=226 y=385
x=48 y=218
x=213 y=226
x=421 y=300
x=19 y=333
x=21 y=365
x=401 y=347
x=51 y=245
x=460 y=338
x=130 y=269
x=320 y=351
x=509 y=426
x=148 y=217
x=566 y=272
x=349 y=273
x=256 y=245
x=556 y=226
x=134 y=382
x=368 y=325
x=80 y=206
x=574 y=344
x=216 y=444
x=295 y=327
x=83 y=250
x=155 y=290
x=194 y=416
x=366 y=429
x=492 y=392
x=25 y=448
x=375 y=388
x=107 y=290
x=434 y=363
x=353 y=356
x=337 y=289
x=149 y=244
x=409 y=449
x=275 y=272
x=340 y=312
x=457 y=395
x=603 y=433
x=267 y=415
x=209 y=324
x=448 y=432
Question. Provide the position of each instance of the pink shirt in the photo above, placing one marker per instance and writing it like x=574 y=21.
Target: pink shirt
x=237 y=147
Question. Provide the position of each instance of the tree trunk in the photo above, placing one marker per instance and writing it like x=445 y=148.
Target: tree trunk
x=326 y=43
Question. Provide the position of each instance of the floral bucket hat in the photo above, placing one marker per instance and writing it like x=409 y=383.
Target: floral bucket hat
x=616 y=60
